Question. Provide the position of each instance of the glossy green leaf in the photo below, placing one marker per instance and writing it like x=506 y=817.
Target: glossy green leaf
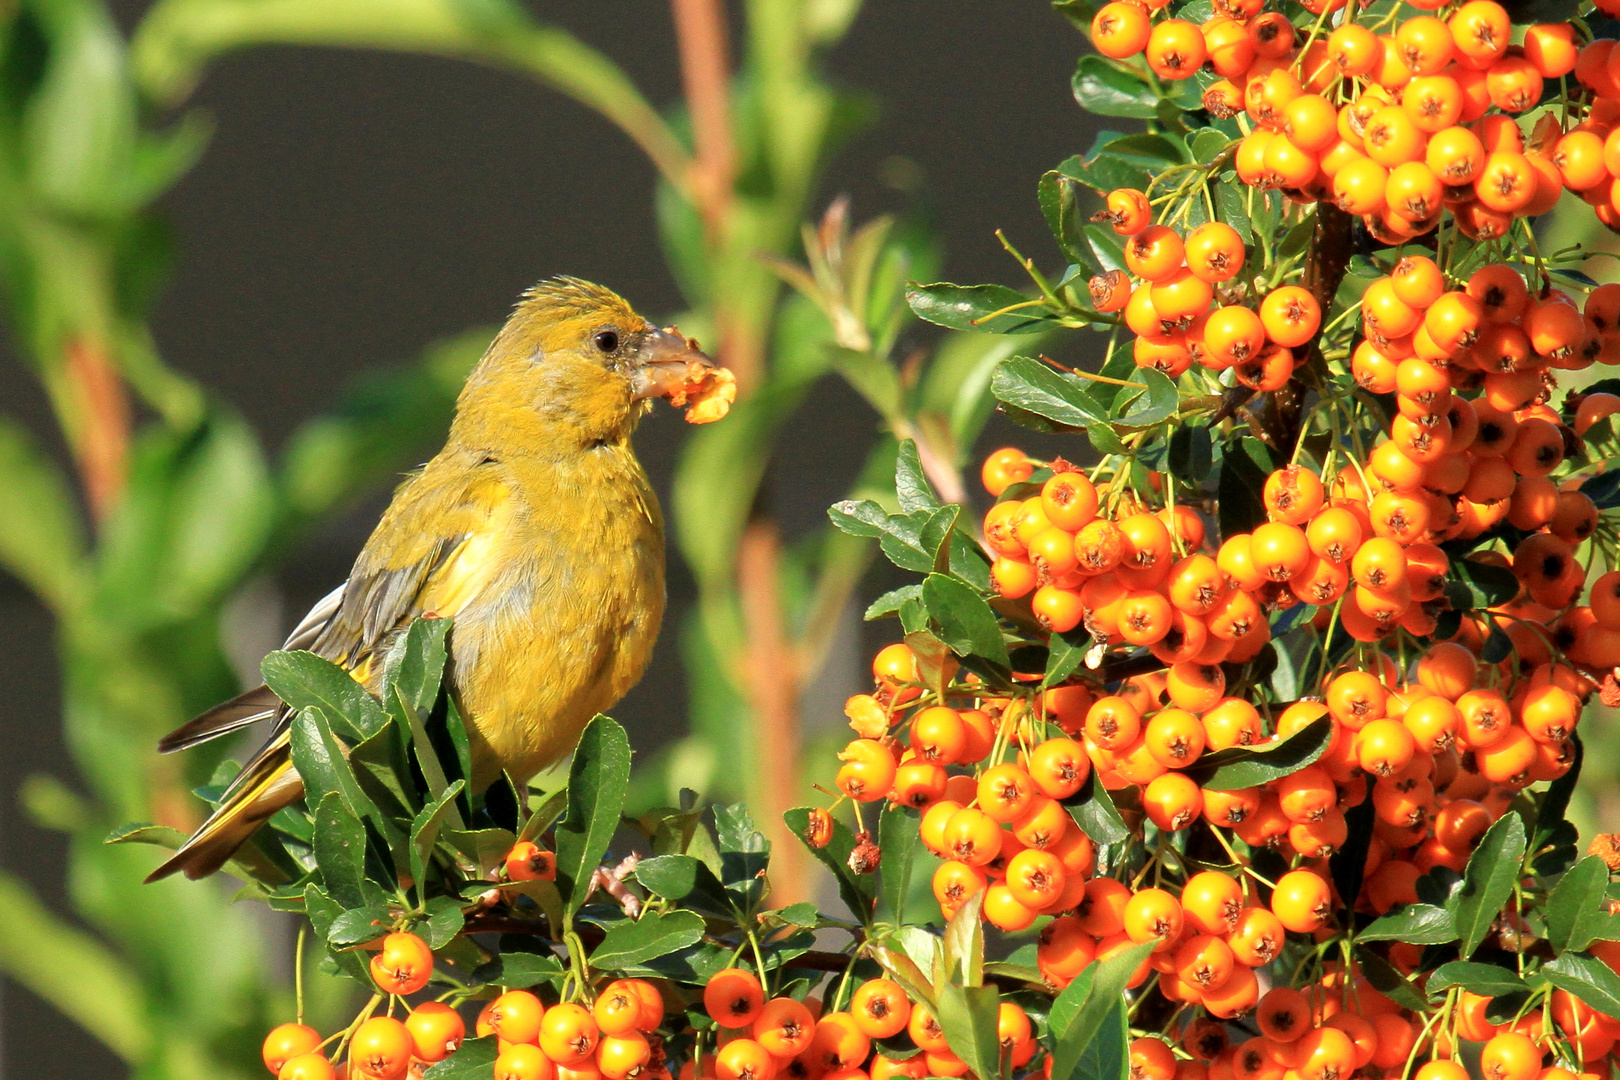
x=304 y=680
x=911 y=484
x=744 y=855
x=1107 y=89
x=1092 y=808
x=902 y=850
x=475 y=1060
x=1065 y=653
x=1384 y=978
x=597 y=781
x=967 y=1015
x=1086 y=1006
x=1034 y=387
x=1588 y=978
x=965 y=620
x=421 y=663
x=1487 y=980
x=1128 y=161
x=518 y=971
x=444 y=921
x=1060 y=204
x=1578 y=909
x=1487 y=585
x=1240 y=767
x=982 y=308
x=359 y=925
x=962 y=945
x=1420 y=924
x=425 y=829
x=1488 y=880
x=340 y=849
x=1135 y=408
x=653 y=934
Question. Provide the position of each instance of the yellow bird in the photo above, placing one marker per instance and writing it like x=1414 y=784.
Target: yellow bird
x=535 y=529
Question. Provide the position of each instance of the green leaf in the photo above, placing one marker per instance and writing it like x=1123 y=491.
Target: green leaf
x=425 y=830
x=597 y=782
x=1107 y=89
x=1420 y=924
x=889 y=603
x=962 y=952
x=518 y=971
x=1487 y=980
x=855 y=889
x=1191 y=454
x=340 y=851
x=421 y=664
x=685 y=880
x=1059 y=199
x=1092 y=808
x=1577 y=910
x=910 y=541
x=304 y=681
x=901 y=844
x=1588 y=978
x=41 y=537
x=1065 y=652
x=911 y=484
x=1240 y=767
x=744 y=855
x=1135 y=408
x=654 y=934
x=359 y=925
x=1107 y=246
x=1553 y=805
x=1035 y=388
x=444 y=921
x=475 y=1059
x=965 y=620
x=1086 y=1006
x=967 y=1015
x=320 y=761
x=1488 y=880
x=982 y=308
x=1127 y=161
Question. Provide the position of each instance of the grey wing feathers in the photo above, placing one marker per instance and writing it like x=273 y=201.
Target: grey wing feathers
x=377 y=604
x=310 y=626
x=241 y=711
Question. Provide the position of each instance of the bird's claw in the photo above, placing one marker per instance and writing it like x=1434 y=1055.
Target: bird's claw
x=611 y=881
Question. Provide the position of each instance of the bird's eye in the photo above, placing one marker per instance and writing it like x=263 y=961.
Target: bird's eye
x=607 y=340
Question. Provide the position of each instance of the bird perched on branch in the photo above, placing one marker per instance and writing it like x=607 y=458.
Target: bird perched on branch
x=535 y=529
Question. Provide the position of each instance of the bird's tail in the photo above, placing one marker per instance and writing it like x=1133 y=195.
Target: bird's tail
x=267 y=784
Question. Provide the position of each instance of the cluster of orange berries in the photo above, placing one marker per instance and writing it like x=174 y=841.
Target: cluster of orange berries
x=1417 y=135
x=378 y=1047
x=1171 y=305
x=760 y=1039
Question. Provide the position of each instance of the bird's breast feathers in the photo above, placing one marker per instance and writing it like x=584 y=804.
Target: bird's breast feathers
x=557 y=590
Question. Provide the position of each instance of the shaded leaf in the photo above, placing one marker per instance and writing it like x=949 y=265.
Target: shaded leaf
x=855 y=889
x=1092 y=808
x=1191 y=453
x=1107 y=89
x=1240 y=767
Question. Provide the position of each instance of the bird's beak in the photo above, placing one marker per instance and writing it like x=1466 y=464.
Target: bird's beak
x=665 y=363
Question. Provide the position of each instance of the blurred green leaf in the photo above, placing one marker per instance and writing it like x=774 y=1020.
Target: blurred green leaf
x=44 y=544
x=57 y=962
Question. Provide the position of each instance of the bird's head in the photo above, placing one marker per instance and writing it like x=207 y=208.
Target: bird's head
x=574 y=357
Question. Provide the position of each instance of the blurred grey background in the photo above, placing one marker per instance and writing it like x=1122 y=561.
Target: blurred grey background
x=353 y=207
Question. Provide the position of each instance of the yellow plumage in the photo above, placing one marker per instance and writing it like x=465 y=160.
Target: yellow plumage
x=535 y=529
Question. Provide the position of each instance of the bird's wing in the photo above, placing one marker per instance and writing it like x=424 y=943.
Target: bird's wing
x=259 y=703
x=433 y=553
